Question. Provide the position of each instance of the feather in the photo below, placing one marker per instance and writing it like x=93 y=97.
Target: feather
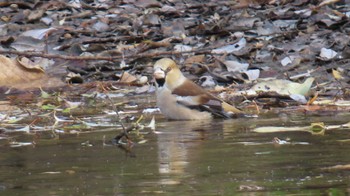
x=181 y=98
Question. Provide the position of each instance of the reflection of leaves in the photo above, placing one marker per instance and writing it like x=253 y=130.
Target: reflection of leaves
x=318 y=128
x=14 y=144
x=109 y=37
x=337 y=167
x=76 y=127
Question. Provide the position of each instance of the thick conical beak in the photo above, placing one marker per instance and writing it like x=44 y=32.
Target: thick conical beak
x=158 y=74
x=159 y=77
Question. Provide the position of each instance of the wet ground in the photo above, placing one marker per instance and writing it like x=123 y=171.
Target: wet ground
x=221 y=157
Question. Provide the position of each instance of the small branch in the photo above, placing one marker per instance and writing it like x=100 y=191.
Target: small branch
x=111 y=58
x=95 y=58
x=57 y=56
x=127 y=57
x=124 y=133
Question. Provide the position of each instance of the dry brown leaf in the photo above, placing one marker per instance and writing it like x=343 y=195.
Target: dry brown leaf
x=127 y=78
x=28 y=64
x=252 y=2
x=147 y=3
x=15 y=74
x=36 y=14
x=194 y=59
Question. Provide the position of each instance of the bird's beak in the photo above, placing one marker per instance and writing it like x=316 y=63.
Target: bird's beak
x=158 y=74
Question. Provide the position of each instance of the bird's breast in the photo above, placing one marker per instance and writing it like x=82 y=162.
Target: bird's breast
x=169 y=107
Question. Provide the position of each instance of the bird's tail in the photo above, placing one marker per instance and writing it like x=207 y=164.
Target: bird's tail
x=230 y=108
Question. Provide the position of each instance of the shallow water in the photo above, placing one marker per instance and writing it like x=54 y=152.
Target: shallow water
x=221 y=157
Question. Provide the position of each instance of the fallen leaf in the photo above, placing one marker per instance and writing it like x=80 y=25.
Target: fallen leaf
x=314 y=129
x=252 y=74
x=150 y=110
x=207 y=81
x=24 y=43
x=142 y=142
x=100 y=26
x=336 y=74
x=287 y=60
x=14 y=72
x=327 y=54
x=326 y=2
x=27 y=63
x=298 y=98
x=235 y=66
x=231 y=48
x=127 y=78
x=279 y=141
x=152 y=124
x=284 y=87
x=182 y=48
x=38 y=33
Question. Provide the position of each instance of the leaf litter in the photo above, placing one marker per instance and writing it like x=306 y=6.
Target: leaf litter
x=264 y=57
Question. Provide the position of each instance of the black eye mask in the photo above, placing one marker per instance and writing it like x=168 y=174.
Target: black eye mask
x=160 y=82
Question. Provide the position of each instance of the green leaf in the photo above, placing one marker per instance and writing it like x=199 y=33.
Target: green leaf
x=48 y=107
x=44 y=94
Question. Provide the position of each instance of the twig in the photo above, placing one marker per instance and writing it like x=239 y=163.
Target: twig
x=111 y=58
x=124 y=133
x=94 y=58
x=56 y=56
x=125 y=130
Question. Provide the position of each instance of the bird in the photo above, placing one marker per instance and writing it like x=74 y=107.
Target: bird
x=179 y=98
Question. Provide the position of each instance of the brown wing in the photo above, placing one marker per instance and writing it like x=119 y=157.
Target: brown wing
x=197 y=96
x=191 y=89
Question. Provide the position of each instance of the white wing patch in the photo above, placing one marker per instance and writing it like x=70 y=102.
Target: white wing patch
x=187 y=100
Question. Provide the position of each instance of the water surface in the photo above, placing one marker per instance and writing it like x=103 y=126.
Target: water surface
x=221 y=157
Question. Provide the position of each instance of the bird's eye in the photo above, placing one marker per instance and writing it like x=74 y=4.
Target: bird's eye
x=168 y=69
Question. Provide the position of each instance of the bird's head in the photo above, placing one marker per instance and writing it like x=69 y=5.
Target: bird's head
x=167 y=73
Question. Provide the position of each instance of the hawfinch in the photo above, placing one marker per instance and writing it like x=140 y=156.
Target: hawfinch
x=179 y=98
